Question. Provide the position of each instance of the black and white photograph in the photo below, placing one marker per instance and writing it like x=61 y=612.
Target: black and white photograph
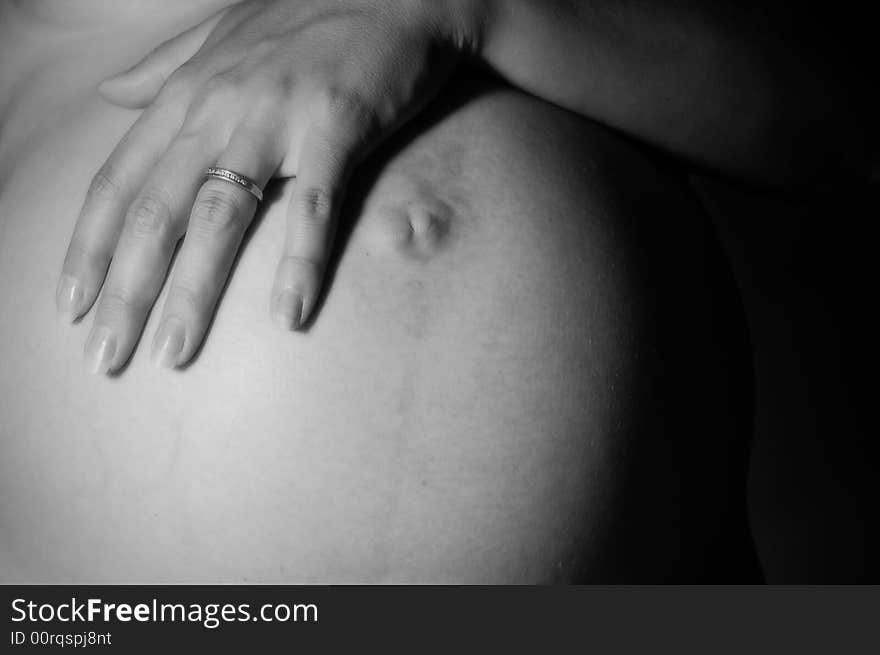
x=450 y=292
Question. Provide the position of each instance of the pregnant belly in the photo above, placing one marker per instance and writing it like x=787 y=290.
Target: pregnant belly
x=458 y=411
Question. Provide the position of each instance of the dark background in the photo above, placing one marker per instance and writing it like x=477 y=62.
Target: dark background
x=804 y=261
x=804 y=264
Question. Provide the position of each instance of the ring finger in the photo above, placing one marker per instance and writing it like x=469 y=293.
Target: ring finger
x=221 y=214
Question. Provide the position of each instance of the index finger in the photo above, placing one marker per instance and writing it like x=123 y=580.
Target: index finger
x=324 y=165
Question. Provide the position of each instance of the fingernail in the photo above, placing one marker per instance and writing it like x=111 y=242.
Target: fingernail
x=168 y=343
x=287 y=311
x=69 y=298
x=100 y=349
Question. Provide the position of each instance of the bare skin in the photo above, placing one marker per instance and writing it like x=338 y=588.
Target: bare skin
x=516 y=376
x=281 y=88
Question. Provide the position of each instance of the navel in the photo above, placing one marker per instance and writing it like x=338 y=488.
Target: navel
x=416 y=228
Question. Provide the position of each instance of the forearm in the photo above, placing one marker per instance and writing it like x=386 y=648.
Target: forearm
x=722 y=87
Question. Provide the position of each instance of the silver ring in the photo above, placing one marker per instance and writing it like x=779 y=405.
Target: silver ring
x=245 y=183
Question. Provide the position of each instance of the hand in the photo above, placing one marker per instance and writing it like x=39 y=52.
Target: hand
x=265 y=88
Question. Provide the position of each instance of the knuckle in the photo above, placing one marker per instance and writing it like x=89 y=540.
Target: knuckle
x=151 y=214
x=106 y=183
x=267 y=105
x=213 y=100
x=316 y=205
x=119 y=304
x=222 y=86
x=216 y=211
x=184 y=295
x=343 y=107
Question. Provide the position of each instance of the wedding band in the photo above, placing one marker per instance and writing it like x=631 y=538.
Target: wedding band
x=245 y=183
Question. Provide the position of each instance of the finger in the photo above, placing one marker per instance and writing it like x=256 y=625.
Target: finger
x=219 y=219
x=323 y=166
x=138 y=86
x=100 y=221
x=153 y=225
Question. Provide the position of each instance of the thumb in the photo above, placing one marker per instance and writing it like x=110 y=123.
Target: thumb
x=138 y=86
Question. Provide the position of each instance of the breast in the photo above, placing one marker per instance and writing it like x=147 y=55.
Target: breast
x=446 y=417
